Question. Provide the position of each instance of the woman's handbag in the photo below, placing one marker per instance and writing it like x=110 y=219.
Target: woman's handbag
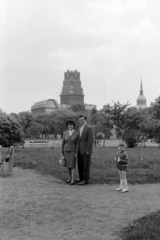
x=62 y=161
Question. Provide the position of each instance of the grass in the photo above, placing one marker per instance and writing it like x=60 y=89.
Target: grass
x=145 y=228
x=144 y=167
x=144 y=164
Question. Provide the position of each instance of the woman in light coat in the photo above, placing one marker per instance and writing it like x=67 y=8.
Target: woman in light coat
x=70 y=149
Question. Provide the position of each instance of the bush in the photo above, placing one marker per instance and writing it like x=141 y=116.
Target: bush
x=10 y=131
x=131 y=139
x=144 y=228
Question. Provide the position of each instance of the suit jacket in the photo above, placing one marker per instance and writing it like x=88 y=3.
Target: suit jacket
x=70 y=143
x=86 y=140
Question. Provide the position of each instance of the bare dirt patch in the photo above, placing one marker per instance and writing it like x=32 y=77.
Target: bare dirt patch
x=36 y=207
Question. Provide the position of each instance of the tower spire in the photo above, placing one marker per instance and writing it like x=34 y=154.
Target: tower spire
x=141 y=88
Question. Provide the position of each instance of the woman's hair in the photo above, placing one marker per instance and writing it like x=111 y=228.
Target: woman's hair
x=71 y=122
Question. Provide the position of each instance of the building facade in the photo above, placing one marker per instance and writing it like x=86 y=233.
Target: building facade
x=90 y=107
x=43 y=107
x=72 y=92
x=141 y=100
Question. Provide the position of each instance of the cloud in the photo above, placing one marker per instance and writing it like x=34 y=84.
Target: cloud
x=116 y=41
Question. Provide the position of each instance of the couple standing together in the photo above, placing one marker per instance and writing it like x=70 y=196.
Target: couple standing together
x=78 y=145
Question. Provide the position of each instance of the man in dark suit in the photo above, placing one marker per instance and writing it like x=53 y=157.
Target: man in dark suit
x=84 y=150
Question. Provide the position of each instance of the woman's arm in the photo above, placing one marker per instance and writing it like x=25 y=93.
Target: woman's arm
x=63 y=142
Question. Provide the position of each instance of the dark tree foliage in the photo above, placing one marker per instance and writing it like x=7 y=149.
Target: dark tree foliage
x=77 y=108
x=10 y=131
x=132 y=138
x=25 y=119
x=122 y=118
x=155 y=108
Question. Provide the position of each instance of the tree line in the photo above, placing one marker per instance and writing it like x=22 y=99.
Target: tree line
x=129 y=124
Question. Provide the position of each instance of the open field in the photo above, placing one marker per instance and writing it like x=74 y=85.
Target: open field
x=144 y=164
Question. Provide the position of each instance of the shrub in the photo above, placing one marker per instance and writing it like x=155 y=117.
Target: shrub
x=131 y=139
x=10 y=131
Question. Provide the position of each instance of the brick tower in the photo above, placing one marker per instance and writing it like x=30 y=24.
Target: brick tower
x=72 y=92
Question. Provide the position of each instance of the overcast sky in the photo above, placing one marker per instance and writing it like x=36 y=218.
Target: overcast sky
x=112 y=43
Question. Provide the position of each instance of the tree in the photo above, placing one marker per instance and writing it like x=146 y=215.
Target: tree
x=25 y=119
x=10 y=131
x=155 y=108
x=60 y=119
x=99 y=125
x=122 y=118
x=77 y=108
x=132 y=138
x=150 y=126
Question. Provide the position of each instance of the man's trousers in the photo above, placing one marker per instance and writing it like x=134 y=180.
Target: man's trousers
x=84 y=162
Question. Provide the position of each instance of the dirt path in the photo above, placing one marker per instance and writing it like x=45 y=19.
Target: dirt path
x=36 y=207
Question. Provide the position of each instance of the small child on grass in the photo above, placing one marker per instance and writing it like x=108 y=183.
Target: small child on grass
x=122 y=162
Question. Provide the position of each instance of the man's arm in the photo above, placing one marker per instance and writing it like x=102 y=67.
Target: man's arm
x=90 y=141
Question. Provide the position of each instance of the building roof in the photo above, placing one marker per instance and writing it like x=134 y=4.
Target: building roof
x=49 y=103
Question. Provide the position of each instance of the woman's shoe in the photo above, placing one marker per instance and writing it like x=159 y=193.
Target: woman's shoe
x=72 y=183
x=68 y=181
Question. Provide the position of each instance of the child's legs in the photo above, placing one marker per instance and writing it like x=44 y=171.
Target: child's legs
x=123 y=174
x=120 y=174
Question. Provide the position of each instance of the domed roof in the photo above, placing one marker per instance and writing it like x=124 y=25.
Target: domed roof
x=141 y=100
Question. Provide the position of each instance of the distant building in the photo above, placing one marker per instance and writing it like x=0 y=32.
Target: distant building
x=43 y=107
x=90 y=106
x=141 y=100
x=63 y=106
x=72 y=92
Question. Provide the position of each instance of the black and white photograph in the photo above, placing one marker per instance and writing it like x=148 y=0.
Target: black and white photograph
x=79 y=119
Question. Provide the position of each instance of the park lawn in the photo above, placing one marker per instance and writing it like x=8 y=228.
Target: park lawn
x=147 y=227
x=144 y=164
x=144 y=167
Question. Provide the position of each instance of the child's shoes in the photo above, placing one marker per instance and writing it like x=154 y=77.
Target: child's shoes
x=125 y=187
x=124 y=190
x=119 y=189
x=120 y=186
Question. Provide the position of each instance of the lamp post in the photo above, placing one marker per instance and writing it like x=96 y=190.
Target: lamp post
x=140 y=143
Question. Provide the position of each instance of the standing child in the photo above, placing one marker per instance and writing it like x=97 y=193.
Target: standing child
x=122 y=162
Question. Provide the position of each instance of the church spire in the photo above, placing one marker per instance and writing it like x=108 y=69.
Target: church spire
x=141 y=100
x=141 y=89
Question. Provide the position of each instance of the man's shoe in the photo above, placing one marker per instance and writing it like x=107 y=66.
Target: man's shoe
x=82 y=183
x=78 y=180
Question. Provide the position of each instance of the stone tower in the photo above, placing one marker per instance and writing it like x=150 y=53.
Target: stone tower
x=72 y=92
x=141 y=100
